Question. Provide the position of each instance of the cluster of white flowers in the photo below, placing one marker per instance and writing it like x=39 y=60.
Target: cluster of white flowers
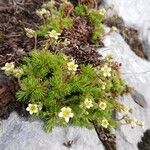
x=102 y=12
x=30 y=33
x=133 y=121
x=43 y=12
x=106 y=71
x=53 y=34
x=10 y=69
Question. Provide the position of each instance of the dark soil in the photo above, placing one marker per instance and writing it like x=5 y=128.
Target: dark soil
x=12 y=36
x=108 y=139
x=8 y=87
x=145 y=141
x=14 y=45
x=130 y=35
x=80 y=48
x=8 y=103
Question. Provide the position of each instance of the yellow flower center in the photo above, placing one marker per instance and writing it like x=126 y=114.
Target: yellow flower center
x=103 y=105
x=72 y=66
x=105 y=123
x=66 y=113
x=88 y=103
x=33 y=108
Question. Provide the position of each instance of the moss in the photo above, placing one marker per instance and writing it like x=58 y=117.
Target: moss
x=82 y=10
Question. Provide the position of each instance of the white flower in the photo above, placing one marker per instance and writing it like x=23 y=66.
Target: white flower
x=102 y=105
x=8 y=68
x=39 y=13
x=66 y=113
x=53 y=34
x=42 y=12
x=32 y=108
x=17 y=73
x=142 y=124
x=30 y=33
x=133 y=122
x=106 y=71
x=105 y=123
x=88 y=103
x=102 y=12
x=72 y=66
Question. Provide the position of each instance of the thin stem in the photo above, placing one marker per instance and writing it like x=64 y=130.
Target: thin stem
x=35 y=41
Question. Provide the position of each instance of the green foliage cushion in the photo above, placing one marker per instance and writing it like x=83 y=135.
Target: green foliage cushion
x=61 y=88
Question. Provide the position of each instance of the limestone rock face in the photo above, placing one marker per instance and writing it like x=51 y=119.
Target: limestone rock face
x=135 y=13
x=18 y=134
x=136 y=72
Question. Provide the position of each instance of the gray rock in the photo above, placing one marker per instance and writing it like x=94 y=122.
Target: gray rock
x=145 y=38
x=135 y=13
x=136 y=72
x=18 y=134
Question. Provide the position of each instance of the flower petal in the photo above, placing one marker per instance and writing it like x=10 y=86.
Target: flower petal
x=60 y=114
x=28 y=109
x=71 y=115
x=67 y=119
x=31 y=112
x=68 y=109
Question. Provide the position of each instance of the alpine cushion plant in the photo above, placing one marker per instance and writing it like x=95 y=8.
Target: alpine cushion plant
x=61 y=92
